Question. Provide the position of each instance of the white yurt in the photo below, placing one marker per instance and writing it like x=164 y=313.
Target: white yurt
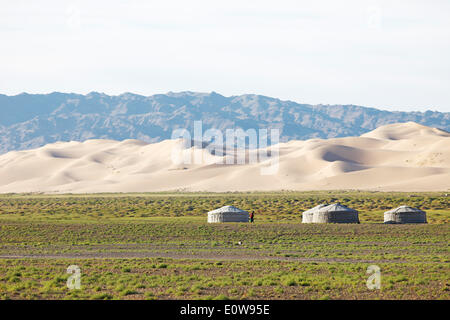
x=307 y=216
x=335 y=213
x=228 y=214
x=405 y=214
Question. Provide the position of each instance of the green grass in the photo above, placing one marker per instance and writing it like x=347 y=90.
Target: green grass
x=263 y=279
x=374 y=242
x=159 y=246
x=268 y=207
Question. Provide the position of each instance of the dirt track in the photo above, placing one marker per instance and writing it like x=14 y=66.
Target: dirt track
x=218 y=255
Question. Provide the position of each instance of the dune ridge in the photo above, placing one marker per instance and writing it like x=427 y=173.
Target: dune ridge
x=396 y=157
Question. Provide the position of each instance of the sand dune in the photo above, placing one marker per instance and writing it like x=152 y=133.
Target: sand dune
x=401 y=157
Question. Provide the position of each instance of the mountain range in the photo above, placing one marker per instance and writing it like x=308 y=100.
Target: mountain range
x=34 y=120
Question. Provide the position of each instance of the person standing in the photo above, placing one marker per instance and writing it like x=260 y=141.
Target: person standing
x=251 y=216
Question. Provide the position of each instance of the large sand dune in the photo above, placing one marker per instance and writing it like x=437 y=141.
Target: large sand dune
x=402 y=157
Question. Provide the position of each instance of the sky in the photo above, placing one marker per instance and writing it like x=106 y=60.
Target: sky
x=391 y=55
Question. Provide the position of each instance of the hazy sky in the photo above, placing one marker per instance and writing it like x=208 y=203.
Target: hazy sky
x=385 y=54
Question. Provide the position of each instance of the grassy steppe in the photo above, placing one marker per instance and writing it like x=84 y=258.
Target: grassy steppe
x=162 y=278
x=159 y=246
x=270 y=207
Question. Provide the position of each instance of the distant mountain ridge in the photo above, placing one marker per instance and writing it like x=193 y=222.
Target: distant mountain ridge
x=33 y=120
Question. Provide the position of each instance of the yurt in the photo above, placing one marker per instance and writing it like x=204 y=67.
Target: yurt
x=228 y=214
x=405 y=214
x=335 y=213
x=307 y=216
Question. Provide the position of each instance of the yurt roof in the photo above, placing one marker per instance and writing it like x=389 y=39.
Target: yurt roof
x=316 y=208
x=405 y=209
x=228 y=209
x=336 y=207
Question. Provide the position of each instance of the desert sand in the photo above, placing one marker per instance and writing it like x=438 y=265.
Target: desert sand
x=396 y=157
